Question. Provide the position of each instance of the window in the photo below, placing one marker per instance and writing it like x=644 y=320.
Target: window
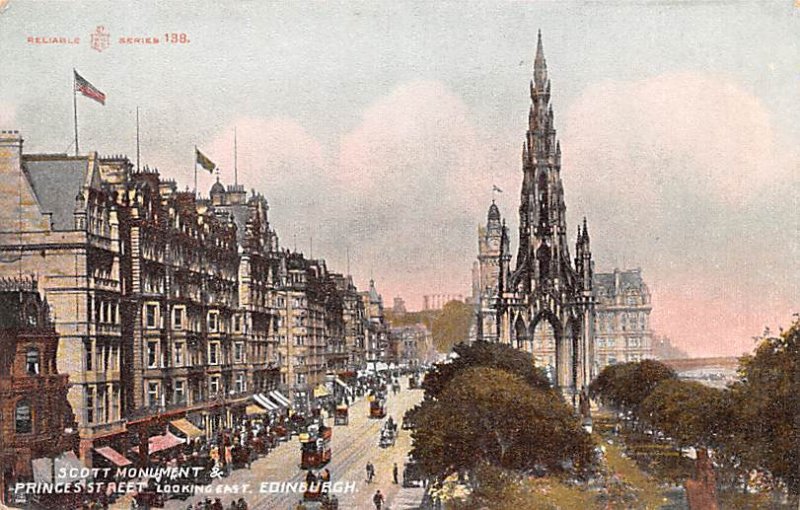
x=150 y=315
x=152 y=354
x=633 y=342
x=177 y=320
x=213 y=321
x=89 y=404
x=180 y=391
x=179 y=354
x=32 y=361
x=241 y=384
x=213 y=385
x=152 y=394
x=102 y=401
x=238 y=352
x=237 y=323
x=87 y=358
x=22 y=418
x=300 y=378
x=114 y=402
x=213 y=353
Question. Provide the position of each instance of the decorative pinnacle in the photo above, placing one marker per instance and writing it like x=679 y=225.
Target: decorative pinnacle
x=540 y=65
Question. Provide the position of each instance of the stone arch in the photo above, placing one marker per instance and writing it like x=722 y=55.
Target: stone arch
x=520 y=333
x=546 y=327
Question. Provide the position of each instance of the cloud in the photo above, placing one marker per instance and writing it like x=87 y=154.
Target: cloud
x=280 y=159
x=413 y=167
x=688 y=170
x=8 y=116
x=680 y=174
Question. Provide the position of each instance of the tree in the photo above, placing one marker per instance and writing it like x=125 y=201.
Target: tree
x=486 y=415
x=484 y=354
x=625 y=386
x=452 y=325
x=767 y=407
x=691 y=413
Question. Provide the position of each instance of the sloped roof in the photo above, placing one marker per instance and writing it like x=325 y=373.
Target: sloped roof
x=631 y=279
x=56 y=182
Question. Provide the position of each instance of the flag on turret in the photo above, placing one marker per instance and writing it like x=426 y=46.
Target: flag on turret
x=203 y=161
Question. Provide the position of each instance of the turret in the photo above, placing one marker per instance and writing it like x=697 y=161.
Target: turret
x=583 y=258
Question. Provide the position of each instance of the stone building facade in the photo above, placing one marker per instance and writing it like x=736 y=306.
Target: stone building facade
x=36 y=421
x=547 y=293
x=573 y=321
x=622 y=325
x=376 y=335
x=168 y=306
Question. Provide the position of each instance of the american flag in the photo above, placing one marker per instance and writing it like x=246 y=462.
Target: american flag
x=88 y=90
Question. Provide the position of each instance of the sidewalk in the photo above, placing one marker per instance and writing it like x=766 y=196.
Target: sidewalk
x=407 y=498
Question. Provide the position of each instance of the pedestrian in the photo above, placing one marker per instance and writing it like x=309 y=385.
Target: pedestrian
x=300 y=506
x=370 y=472
x=242 y=504
x=378 y=499
x=394 y=473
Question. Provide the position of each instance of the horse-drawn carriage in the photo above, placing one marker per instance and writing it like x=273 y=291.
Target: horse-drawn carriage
x=241 y=456
x=315 y=447
x=377 y=408
x=341 y=415
x=388 y=434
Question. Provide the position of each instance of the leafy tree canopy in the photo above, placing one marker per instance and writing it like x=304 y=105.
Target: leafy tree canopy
x=486 y=415
x=688 y=411
x=767 y=407
x=484 y=354
x=452 y=325
x=626 y=385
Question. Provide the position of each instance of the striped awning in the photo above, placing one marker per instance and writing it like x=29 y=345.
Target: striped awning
x=264 y=402
x=278 y=396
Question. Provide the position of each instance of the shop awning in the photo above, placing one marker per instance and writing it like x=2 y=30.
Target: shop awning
x=278 y=397
x=157 y=444
x=253 y=410
x=321 y=391
x=187 y=428
x=264 y=402
x=113 y=456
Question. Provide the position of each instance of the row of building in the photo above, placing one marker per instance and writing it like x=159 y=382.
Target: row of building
x=172 y=306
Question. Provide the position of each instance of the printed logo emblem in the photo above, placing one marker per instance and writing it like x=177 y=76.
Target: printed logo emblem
x=100 y=38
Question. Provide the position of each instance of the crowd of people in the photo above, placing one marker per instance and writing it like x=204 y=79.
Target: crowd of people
x=251 y=437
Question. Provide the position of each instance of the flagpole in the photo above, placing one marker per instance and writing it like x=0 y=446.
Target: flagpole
x=137 y=138
x=235 y=167
x=75 y=110
x=195 y=171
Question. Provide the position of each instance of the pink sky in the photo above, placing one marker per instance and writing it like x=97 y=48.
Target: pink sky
x=679 y=174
